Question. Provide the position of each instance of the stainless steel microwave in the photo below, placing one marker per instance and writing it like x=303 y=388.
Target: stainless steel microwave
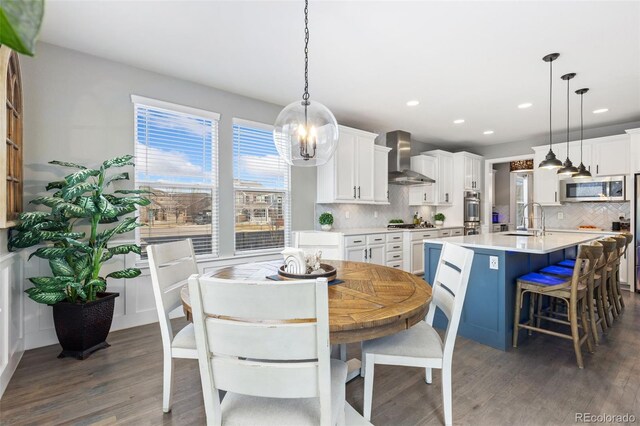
x=611 y=188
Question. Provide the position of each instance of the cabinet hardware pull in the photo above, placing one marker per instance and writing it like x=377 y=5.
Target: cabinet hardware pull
x=358 y=192
x=425 y=196
x=396 y=256
x=354 y=192
x=357 y=241
x=555 y=196
x=370 y=255
x=598 y=168
x=387 y=194
x=377 y=239
x=446 y=197
x=365 y=254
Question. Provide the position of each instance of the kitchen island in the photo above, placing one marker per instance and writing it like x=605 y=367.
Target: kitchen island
x=500 y=258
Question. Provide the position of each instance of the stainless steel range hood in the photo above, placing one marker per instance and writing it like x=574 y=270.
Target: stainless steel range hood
x=400 y=172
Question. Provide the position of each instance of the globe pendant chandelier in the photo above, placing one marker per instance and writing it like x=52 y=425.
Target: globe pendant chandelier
x=306 y=132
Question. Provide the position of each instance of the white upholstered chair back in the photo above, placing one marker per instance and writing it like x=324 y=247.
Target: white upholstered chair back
x=262 y=339
x=449 y=289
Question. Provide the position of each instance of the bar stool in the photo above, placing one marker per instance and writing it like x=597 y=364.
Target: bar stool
x=594 y=299
x=617 y=294
x=610 y=247
x=573 y=292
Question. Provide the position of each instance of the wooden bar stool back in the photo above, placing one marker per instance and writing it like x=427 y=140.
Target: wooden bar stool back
x=610 y=247
x=572 y=291
x=621 y=250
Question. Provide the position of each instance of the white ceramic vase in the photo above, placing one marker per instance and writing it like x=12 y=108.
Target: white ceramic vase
x=325 y=227
x=439 y=222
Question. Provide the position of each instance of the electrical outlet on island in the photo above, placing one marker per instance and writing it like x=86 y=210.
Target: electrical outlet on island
x=375 y=214
x=560 y=215
x=347 y=215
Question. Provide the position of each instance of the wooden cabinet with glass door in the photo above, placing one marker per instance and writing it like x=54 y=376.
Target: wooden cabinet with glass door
x=11 y=130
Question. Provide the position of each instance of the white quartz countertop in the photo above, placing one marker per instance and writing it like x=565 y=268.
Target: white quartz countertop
x=501 y=241
x=365 y=231
x=586 y=231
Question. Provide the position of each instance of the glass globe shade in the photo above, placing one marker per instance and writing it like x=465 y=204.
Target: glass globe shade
x=306 y=139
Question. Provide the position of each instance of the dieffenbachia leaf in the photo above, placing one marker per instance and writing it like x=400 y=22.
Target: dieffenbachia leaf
x=52 y=252
x=125 y=248
x=125 y=160
x=133 y=200
x=67 y=164
x=51 y=281
x=60 y=267
x=25 y=239
x=116 y=177
x=20 y=23
x=60 y=236
x=106 y=208
x=125 y=273
x=133 y=191
x=47 y=201
x=128 y=224
x=46 y=297
x=71 y=192
x=80 y=176
x=56 y=185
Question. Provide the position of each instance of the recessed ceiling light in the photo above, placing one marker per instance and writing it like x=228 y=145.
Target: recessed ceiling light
x=458 y=121
x=413 y=103
x=525 y=105
x=487 y=132
x=600 y=111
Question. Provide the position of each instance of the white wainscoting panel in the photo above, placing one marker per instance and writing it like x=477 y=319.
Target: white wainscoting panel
x=11 y=316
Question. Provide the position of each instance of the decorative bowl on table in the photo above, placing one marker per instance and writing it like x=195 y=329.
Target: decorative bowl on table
x=325 y=271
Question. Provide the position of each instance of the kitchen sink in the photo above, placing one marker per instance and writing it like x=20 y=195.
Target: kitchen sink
x=520 y=234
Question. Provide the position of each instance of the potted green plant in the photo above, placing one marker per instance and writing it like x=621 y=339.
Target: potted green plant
x=326 y=220
x=439 y=218
x=82 y=309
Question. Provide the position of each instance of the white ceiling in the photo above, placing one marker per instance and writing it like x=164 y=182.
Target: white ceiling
x=472 y=60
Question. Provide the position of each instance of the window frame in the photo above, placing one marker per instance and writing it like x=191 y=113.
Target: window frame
x=287 y=194
x=215 y=149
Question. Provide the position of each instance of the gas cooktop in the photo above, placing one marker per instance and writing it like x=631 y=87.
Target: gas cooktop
x=408 y=226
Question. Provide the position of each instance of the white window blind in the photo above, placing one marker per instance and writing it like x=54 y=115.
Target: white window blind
x=261 y=188
x=177 y=160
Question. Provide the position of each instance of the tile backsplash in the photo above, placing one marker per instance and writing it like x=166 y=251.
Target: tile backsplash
x=363 y=216
x=575 y=214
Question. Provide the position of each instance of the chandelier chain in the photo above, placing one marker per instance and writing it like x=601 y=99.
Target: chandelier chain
x=305 y=95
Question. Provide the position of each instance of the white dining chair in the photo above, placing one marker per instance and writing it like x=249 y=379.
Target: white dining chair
x=420 y=345
x=267 y=346
x=171 y=265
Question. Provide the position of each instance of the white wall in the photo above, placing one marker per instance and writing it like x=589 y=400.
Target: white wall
x=78 y=108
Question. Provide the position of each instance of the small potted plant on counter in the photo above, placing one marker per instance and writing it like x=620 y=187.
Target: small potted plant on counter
x=439 y=218
x=76 y=289
x=326 y=220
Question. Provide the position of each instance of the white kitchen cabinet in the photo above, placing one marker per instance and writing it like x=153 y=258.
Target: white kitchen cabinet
x=443 y=188
x=348 y=176
x=376 y=254
x=354 y=254
x=381 y=179
x=611 y=156
x=421 y=195
x=472 y=171
x=546 y=185
x=414 y=249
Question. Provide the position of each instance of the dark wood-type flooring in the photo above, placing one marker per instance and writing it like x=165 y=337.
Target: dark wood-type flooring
x=538 y=383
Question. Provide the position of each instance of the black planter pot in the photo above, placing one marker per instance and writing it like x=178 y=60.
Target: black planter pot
x=82 y=328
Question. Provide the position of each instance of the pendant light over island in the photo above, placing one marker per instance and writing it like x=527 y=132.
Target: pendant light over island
x=568 y=169
x=550 y=161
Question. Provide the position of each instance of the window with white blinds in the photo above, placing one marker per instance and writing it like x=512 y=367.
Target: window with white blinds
x=177 y=160
x=261 y=188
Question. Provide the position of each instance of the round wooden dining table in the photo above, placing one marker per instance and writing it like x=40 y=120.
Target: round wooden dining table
x=372 y=301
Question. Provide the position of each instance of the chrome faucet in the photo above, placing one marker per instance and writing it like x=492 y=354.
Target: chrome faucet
x=537 y=231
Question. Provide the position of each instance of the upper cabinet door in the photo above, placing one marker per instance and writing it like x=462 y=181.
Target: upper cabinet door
x=381 y=180
x=545 y=182
x=365 y=164
x=445 y=179
x=345 y=167
x=611 y=158
x=468 y=173
x=477 y=173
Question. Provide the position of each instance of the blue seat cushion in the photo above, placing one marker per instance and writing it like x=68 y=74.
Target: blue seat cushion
x=557 y=270
x=542 y=279
x=567 y=263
